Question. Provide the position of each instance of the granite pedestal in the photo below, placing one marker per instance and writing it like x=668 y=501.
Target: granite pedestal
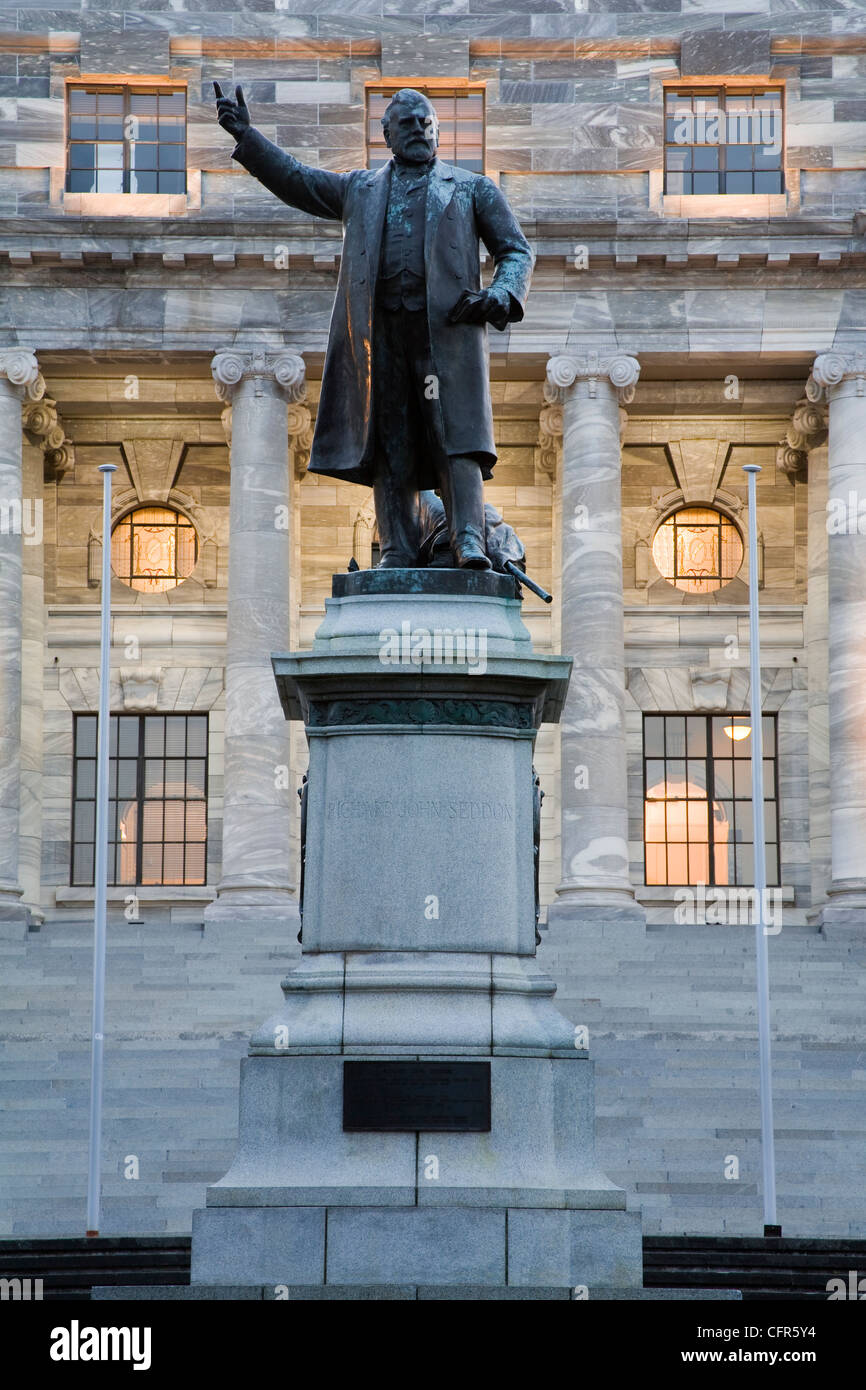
x=421 y=698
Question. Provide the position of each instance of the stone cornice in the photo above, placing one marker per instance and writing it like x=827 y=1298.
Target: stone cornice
x=232 y=366
x=620 y=370
x=210 y=244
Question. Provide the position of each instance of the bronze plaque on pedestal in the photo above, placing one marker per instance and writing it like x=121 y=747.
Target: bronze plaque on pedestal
x=416 y=1095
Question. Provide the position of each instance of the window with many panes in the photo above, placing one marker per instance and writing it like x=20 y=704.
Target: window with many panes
x=698 y=550
x=126 y=140
x=157 y=812
x=461 y=125
x=153 y=549
x=698 y=812
x=723 y=140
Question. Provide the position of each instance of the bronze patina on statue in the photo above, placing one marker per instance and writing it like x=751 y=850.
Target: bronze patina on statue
x=405 y=400
x=417 y=1015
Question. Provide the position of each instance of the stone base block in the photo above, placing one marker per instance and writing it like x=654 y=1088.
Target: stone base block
x=575 y=1248
x=273 y=1245
x=410 y=1002
x=605 y=917
x=462 y=1247
x=14 y=919
x=14 y=928
x=293 y=1150
x=839 y=921
x=250 y=914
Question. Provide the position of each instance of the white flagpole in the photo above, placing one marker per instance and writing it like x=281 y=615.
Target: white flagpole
x=768 y=1145
x=100 y=868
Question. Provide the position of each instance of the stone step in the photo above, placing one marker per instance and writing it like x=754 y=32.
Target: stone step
x=671 y=1017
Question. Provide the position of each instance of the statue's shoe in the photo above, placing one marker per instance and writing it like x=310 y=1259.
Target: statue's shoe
x=470 y=556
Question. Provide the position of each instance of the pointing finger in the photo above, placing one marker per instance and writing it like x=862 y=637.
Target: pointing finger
x=218 y=91
x=239 y=96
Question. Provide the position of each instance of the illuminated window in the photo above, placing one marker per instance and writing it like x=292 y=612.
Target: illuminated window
x=698 y=550
x=721 y=140
x=157 y=811
x=153 y=549
x=698 y=817
x=461 y=124
x=126 y=140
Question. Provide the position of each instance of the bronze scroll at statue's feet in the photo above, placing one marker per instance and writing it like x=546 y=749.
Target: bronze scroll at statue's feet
x=470 y=554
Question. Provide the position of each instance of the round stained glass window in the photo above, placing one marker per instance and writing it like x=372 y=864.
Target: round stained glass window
x=698 y=550
x=153 y=549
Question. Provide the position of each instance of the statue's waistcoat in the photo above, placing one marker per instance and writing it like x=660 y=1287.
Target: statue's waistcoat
x=401 y=273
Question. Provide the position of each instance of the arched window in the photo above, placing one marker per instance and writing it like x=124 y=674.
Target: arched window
x=153 y=549
x=698 y=550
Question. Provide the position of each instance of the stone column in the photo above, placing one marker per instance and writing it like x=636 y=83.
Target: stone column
x=256 y=868
x=802 y=455
x=19 y=380
x=841 y=377
x=595 y=876
x=32 y=682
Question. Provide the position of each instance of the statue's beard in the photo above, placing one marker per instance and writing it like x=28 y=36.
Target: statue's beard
x=416 y=159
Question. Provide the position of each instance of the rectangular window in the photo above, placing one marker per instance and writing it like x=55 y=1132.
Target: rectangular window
x=723 y=140
x=461 y=124
x=157 y=810
x=126 y=140
x=698 y=814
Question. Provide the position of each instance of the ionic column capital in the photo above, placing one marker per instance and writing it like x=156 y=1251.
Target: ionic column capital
x=40 y=418
x=808 y=427
x=831 y=370
x=807 y=430
x=794 y=463
x=550 y=424
x=299 y=419
x=620 y=369
x=232 y=366
x=21 y=370
x=300 y=424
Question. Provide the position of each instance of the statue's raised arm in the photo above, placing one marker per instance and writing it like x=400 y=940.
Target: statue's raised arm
x=317 y=191
x=405 y=399
x=233 y=116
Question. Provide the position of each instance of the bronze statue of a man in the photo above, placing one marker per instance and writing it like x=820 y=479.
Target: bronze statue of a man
x=405 y=399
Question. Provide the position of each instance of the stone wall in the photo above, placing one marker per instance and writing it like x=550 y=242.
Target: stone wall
x=574 y=99
x=673 y=640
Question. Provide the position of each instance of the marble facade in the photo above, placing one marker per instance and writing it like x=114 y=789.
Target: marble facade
x=666 y=343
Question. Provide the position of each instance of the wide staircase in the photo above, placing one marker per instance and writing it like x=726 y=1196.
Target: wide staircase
x=671 y=1019
x=180 y=1006
x=66 y=1268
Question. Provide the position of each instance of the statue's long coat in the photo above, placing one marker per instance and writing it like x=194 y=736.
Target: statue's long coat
x=461 y=208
